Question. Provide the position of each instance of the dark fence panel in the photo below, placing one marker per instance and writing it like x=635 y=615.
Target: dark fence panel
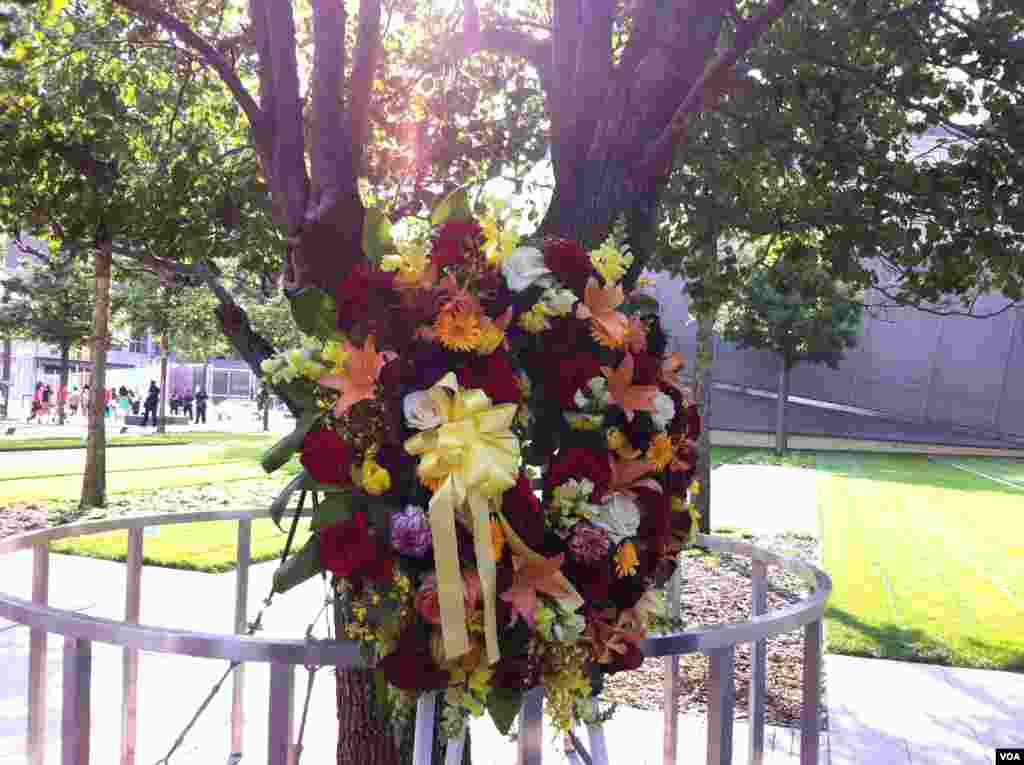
x=937 y=370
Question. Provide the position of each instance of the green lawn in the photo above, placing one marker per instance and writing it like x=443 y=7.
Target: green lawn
x=196 y=546
x=14 y=444
x=927 y=561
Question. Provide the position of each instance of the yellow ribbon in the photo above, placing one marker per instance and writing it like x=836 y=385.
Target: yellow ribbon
x=475 y=455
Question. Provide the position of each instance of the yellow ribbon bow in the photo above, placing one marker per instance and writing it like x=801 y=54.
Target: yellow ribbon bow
x=475 y=456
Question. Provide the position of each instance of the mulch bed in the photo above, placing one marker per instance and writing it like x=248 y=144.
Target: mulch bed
x=22 y=518
x=716 y=589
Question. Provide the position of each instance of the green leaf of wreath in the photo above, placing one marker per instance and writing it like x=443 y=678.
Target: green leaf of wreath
x=334 y=508
x=315 y=313
x=454 y=207
x=377 y=239
x=305 y=564
x=278 y=454
x=503 y=704
x=280 y=505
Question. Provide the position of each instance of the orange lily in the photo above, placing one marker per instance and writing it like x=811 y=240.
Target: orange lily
x=607 y=638
x=361 y=372
x=671 y=366
x=532 y=576
x=627 y=396
x=626 y=475
x=598 y=305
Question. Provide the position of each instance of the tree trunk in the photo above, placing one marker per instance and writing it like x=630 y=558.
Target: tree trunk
x=62 y=386
x=5 y=375
x=781 y=437
x=161 y=423
x=266 y=409
x=703 y=379
x=94 y=481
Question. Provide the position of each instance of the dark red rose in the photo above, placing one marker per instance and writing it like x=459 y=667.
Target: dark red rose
x=693 y=423
x=327 y=457
x=567 y=337
x=571 y=374
x=646 y=369
x=521 y=509
x=367 y=296
x=495 y=375
x=579 y=463
x=625 y=662
x=412 y=667
x=626 y=592
x=348 y=549
x=655 y=516
x=569 y=262
x=592 y=580
x=391 y=376
x=678 y=424
x=682 y=523
x=450 y=244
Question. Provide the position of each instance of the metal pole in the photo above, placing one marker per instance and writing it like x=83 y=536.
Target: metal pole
x=244 y=556
x=423 y=735
x=531 y=727
x=130 y=676
x=670 y=705
x=37 y=659
x=720 y=706
x=758 y=664
x=282 y=712
x=809 y=715
x=75 y=721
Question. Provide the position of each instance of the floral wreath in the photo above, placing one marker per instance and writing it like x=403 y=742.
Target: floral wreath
x=435 y=377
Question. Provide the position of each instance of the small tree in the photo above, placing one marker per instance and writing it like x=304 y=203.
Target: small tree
x=795 y=309
x=50 y=300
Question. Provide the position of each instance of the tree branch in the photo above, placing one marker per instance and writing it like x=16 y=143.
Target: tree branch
x=565 y=40
x=364 y=63
x=210 y=55
x=330 y=153
x=708 y=87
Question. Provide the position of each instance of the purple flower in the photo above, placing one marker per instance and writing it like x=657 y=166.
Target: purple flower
x=410 y=532
x=589 y=543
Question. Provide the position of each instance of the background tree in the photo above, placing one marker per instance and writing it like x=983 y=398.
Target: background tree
x=49 y=300
x=794 y=309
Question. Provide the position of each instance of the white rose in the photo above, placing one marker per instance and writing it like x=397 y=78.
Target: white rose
x=421 y=410
x=524 y=267
x=619 y=516
x=664 y=410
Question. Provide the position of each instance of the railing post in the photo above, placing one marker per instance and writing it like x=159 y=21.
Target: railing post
x=37 y=659
x=423 y=734
x=758 y=662
x=130 y=676
x=810 y=724
x=282 y=713
x=720 y=706
x=531 y=728
x=670 y=703
x=244 y=558
x=75 y=713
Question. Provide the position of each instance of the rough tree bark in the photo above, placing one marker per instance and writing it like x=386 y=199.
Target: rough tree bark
x=94 y=481
x=161 y=423
x=781 y=436
x=703 y=381
x=62 y=387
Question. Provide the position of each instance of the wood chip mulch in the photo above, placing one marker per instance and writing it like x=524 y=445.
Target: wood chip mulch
x=716 y=590
x=20 y=519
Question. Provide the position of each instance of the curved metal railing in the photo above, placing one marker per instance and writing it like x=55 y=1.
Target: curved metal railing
x=80 y=631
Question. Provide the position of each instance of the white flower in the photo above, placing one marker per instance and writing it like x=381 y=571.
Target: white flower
x=557 y=302
x=580 y=399
x=664 y=410
x=619 y=516
x=599 y=387
x=422 y=412
x=525 y=266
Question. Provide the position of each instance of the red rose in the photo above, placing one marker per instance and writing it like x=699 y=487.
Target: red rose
x=579 y=463
x=655 y=516
x=521 y=509
x=569 y=262
x=571 y=374
x=365 y=296
x=626 y=662
x=646 y=369
x=412 y=667
x=449 y=248
x=567 y=337
x=347 y=549
x=516 y=672
x=495 y=375
x=327 y=457
x=593 y=581
x=693 y=423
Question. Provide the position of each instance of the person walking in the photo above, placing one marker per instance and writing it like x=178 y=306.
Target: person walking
x=124 y=403
x=47 y=410
x=37 y=402
x=150 y=404
x=201 y=405
x=186 y=405
x=175 y=404
x=86 y=401
x=73 y=400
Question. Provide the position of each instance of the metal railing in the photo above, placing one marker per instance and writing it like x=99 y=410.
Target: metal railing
x=80 y=631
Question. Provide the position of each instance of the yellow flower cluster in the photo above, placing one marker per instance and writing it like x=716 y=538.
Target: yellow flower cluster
x=468 y=331
x=411 y=262
x=296 y=362
x=566 y=682
x=611 y=261
x=660 y=452
x=626 y=560
x=534 y=321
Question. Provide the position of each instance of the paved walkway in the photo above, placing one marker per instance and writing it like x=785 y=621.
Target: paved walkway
x=879 y=712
